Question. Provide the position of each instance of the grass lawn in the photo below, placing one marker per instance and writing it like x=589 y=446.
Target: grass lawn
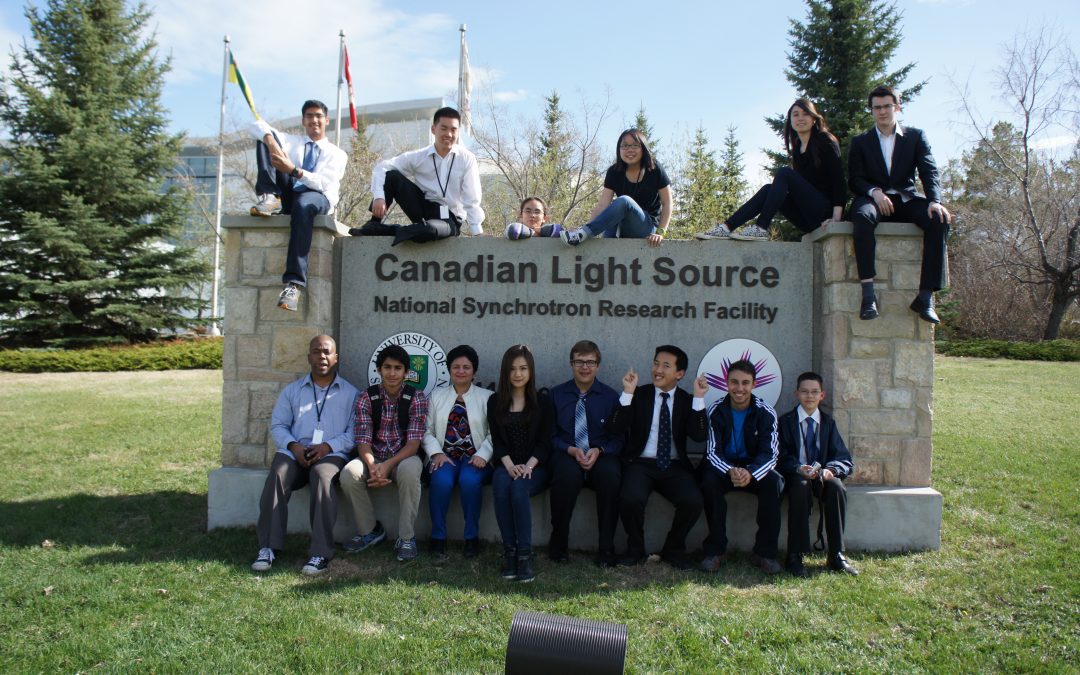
x=105 y=562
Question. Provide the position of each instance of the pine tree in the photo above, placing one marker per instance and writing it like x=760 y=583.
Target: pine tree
x=732 y=188
x=641 y=123
x=87 y=224
x=554 y=173
x=838 y=54
x=697 y=194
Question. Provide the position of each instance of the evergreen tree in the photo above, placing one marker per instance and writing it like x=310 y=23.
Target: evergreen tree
x=697 y=203
x=732 y=186
x=553 y=176
x=641 y=123
x=838 y=54
x=86 y=220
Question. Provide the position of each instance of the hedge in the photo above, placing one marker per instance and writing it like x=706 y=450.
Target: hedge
x=182 y=354
x=1050 y=350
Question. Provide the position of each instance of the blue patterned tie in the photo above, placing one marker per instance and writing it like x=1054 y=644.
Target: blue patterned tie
x=581 y=425
x=811 y=441
x=663 y=435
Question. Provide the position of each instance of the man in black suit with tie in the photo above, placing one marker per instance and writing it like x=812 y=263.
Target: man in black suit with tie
x=881 y=171
x=814 y=461
x=657 y=419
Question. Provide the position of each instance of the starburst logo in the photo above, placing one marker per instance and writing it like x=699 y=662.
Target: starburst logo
x=768 y=381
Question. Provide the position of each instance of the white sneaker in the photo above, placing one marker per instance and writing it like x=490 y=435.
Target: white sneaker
x=719 y=231
x=316 y=564
x=750 y=233
x=268 y=205
x=289 y=299
x=574 y=237
x=265 y=560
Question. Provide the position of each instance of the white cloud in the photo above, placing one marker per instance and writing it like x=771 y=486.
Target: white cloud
x=1052 y=143
x=511 y=96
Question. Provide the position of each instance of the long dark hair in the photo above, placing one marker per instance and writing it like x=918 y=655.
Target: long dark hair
x=504 y=395
x=647 y=161
x=821 y=129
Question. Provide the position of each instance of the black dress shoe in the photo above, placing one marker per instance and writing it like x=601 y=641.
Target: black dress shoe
x=677 y=559
x=631 y=559
x=868 y=310
x=604 y=559
x=838 y=563
x=373 y=228
x=559 y=555
x=795 y=565
x=766 y=565
x=472 y=548
x=925 y=310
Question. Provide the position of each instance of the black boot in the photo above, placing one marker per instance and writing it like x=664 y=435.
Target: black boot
x=524 y=568
x=509 y=565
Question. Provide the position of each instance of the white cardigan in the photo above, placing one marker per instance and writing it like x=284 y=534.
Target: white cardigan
x=442 y=402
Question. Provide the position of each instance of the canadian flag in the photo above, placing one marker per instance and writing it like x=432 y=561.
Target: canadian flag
x=352 y=92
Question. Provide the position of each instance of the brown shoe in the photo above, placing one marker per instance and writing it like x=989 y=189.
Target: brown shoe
x=766 y=565
x=713 y=563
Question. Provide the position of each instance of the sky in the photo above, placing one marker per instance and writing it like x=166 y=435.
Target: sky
x=713 y=64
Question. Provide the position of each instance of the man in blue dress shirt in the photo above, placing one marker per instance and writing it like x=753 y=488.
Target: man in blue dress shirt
x=312 y=427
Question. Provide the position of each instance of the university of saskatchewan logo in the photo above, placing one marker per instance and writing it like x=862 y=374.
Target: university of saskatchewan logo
x=768 y=382
x=427 y=361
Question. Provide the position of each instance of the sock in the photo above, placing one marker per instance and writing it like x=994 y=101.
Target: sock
x=925 y=296
x=868 y=290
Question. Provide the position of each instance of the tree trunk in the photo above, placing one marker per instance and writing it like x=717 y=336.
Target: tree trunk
x=1058 y=305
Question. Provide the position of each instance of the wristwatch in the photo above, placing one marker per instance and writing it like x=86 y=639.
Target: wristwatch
x=295 y=173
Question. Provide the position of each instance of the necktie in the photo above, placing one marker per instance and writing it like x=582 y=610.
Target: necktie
x=663 y=435
x=311 y=158
x=581 y=425
x=810 y=441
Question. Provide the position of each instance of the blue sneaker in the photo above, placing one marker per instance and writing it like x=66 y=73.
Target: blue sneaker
x=405 y=550
x=360 y=542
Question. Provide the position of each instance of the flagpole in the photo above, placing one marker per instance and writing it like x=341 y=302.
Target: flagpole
x=340 y=77
x=218 y=194
x=461 y=77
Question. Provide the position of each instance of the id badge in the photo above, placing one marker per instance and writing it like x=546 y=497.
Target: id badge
x=316 y=437
x=444 y=212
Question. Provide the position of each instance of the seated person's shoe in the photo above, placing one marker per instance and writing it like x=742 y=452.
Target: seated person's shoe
x=289 y=299
x=868 y=310
x=509 y=565
x=631 y=559
x=750 y=233
x=604 y=559
x=373 y=228
x=472 y=548
x=925 y=310
x=713 y=563
x=795 y=565
x=766 y=565
x=838 y=563
x=438 y=550
x=719 y=231
x=405 y=550
x=315 y=566
x=362 y=541
x=265 y=560
x=525 y=572
x=677 y=559
x=266 y=206
x=574 y=237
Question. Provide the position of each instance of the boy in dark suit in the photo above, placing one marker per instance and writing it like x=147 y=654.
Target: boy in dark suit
x=657 y=418
x=881 y=171
x=814 y=461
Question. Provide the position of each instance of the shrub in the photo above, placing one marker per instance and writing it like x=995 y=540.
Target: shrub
x=1050 y=350
x=181 y=354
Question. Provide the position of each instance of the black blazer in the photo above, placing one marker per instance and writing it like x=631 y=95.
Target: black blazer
x=835 y=455
x=866 y=165
x=635 y=420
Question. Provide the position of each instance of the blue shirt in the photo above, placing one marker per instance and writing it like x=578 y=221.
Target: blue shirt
x=736 y=449
x=600 y=403
x=296 y=416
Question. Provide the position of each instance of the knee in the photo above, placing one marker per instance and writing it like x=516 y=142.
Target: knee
x=442 y=480
x=834 y=487
x=783 y=174
x=772 y=484
x=409 y=470
x=353 y=474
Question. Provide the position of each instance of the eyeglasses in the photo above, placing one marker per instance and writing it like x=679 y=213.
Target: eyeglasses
x=533 y=212
x=809 y=392
x=883 y=107
x=629 y=146
x=578 y=363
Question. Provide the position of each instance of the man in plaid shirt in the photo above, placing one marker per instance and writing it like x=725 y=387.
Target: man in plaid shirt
x=387 y=455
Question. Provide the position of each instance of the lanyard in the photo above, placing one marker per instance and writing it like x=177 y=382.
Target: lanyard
x=315 y=395
x=438 y=178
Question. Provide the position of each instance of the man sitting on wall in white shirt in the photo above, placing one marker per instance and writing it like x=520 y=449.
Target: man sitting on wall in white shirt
x=438 y=188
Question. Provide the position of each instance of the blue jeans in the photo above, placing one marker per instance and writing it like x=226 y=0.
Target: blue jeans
x=470 y=480
x=622 y=218
x=513 y=511
x=791 y=195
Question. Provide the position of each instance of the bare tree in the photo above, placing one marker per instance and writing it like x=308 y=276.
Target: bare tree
x=1016 y=198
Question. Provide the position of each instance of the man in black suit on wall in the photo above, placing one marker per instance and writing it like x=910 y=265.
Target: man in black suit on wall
x=814 y=461
x=881 y=171
x=657 y=419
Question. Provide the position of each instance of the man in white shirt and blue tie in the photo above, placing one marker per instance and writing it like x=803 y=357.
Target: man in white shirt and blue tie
x=814 y=461
x=299 y=176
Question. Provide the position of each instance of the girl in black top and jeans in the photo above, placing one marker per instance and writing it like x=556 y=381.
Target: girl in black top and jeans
x=810 y=193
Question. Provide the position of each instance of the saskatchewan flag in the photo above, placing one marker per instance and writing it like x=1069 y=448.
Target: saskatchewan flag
x=237 y=77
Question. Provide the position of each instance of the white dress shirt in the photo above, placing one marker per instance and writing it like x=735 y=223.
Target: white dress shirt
x=888 y=145
x=654 y=428
x=329 y=168
x=453 y=181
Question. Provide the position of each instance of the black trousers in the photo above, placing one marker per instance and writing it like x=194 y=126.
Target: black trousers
x=676 y=484
x=791 y=195
x=567 y=480
x=716 y=485
x=417 y=208
x=865 y=218
x=301 y=207
x=800 y=496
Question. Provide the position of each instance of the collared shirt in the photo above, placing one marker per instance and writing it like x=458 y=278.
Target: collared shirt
x=295 y=416
x=329 y=169
x=654 y=429
x=458 y=174
x=389 y=442
x=600 y=403
x=802 y=431
x=888 y=145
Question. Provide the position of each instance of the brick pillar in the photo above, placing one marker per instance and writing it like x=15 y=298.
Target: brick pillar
x=265 y=346
x=879 y=374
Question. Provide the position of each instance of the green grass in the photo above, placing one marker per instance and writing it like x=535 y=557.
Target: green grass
x=111 y=470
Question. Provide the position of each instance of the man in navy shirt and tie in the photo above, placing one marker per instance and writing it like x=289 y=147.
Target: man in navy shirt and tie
x=299 y=176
